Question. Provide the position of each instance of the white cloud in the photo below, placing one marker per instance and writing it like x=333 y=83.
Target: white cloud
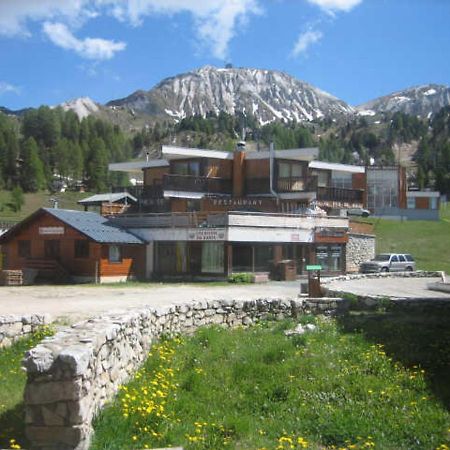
x=90 y=48
x=215 y=21
x=8 y=88
x=305 y=40
x=332 y=6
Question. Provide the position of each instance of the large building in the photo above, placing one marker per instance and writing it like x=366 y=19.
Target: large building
x=207 y=213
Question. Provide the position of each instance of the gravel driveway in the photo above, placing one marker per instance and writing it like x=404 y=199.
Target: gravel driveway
x=72 y=303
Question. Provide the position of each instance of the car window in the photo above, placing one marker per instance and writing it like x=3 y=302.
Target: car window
x=409 y=258
x=381 y=258
x=394 y=258
x=401 y=258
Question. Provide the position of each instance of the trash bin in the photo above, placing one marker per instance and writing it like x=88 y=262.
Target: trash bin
x=288 y=270
x=314 y=290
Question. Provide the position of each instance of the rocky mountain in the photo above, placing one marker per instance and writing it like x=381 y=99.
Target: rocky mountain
x=420 y=101
x=266 y=94
x=82 y=106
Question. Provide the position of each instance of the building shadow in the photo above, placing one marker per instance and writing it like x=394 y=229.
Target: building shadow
x=411 y=338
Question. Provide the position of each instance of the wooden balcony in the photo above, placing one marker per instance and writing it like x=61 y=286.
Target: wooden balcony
x=334 y=194
x=281 y=185
x=141 y=191
x=209 y=185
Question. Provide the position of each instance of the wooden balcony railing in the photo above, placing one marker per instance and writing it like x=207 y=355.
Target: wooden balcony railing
x=340 y=195
x=210 y=185
x=141 y=192
x=281 y=185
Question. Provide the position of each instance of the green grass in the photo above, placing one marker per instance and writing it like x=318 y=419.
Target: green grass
x=67 y=200
x=12 y=384
x=427 y=241
x=257 y=389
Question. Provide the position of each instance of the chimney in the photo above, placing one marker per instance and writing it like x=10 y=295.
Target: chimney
x=238 y=169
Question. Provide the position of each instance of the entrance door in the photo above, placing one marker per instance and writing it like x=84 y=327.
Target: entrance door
x=51 y=249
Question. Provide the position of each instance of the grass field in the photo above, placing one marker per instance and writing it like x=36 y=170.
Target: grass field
x=12 y=384
x=258 y=389
x=428 y=241
x=66 y=200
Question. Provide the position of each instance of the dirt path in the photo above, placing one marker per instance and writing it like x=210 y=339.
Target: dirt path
x=72 y=303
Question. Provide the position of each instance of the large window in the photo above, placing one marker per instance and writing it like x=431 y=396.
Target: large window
x=24 y=249
x=186 y=168
x=115 y=254
x=81 y=248
x=290 y=170
x=329 y=257
x=212 y=257
x=341 y=180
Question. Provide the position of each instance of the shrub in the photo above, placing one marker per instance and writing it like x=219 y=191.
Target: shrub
x=243 y=277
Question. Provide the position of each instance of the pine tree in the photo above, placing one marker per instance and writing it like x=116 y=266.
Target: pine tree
x=32 y=176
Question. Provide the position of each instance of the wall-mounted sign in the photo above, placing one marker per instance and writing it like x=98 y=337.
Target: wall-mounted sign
x=51 y=230
x=237 y=202
x=206 y=234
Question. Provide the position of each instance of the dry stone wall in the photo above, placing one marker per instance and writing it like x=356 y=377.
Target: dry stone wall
x=73 y=373
x=13 y=328
x=360 y=248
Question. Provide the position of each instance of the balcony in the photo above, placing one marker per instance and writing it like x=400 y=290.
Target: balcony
x=189 y=183
x=255 y=186
x=141 y=191
x=334 y=194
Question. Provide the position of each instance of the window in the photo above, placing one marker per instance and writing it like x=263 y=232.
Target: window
x=212 y=257
x=433 y=203
x=115 y=254
x=51 y=249
x=81 y=248
x=24 y=249
x=186 y=168
x=394 y=258
x=410 y=202
x=290 y=170
x=401 y=258
x=409 y=258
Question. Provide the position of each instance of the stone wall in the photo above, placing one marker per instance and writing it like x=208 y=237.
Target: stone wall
x=15 y=327
x=360 y=248
x=73 y=373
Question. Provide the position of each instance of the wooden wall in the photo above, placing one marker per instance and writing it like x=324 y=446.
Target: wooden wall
x=132 y=263
x=154 y=175
x=257 y=168
x=91 y=266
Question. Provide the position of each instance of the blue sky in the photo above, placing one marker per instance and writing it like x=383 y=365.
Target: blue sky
x=357 y=50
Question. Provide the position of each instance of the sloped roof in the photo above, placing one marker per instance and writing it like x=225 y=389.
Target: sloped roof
x=109 y=197
x=92 y=225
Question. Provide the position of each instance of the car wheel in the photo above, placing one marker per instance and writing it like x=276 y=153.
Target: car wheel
x=385 y=269
x=364 y=214
x=409 y=269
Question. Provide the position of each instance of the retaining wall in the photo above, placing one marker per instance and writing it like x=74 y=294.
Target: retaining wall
x=73 y=373
x=360 y=248
x=13 y=328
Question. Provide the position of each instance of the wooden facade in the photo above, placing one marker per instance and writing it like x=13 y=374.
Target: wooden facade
x=59 y=252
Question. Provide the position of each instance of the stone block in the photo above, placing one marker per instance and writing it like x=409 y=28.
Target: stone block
x=53 y=391
x=76 y=358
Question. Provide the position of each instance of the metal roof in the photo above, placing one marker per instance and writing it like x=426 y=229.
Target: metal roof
x=137 y=166
x=109 y=197
x=336 y=166
x=94 y=226
x=171 y=152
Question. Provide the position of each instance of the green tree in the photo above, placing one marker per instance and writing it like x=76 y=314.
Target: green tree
x=17 y=199
x=32 y=176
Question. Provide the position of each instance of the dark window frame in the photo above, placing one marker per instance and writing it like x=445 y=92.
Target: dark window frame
x=120 y=253
x=81 y=248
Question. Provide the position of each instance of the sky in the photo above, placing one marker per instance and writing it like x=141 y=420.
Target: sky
x=357 y=50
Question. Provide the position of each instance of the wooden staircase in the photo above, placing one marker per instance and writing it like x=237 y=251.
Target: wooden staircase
x=49 y=270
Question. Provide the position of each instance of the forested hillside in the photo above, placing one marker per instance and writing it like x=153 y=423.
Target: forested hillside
x=50 y=146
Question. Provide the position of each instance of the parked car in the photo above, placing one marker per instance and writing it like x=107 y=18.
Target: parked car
x=389 y=262
x=361 y=212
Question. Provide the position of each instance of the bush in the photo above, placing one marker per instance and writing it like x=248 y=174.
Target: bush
x=243 y=277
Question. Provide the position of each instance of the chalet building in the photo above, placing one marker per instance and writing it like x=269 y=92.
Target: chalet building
x=62 y=245
x=208 y=213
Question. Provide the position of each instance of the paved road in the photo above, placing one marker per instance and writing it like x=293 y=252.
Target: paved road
x=389 y=287
x=73 y=303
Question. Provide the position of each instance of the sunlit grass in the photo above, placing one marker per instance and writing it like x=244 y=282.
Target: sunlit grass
x=258 y=389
